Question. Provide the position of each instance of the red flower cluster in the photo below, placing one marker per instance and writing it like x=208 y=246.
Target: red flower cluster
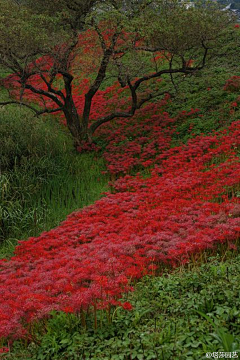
x=134 y=143
x=232 y=84
x=189 y=203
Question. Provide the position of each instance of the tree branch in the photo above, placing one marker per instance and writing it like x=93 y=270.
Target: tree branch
x=48 y=111
x=103 y=67
x=101 y=38
x=50 y=88
x=121 y=114
x=10 y=102
x=44 y=93
x=171 y=75
x=99 y=79
x=184 y=70
x=37 y=112
x=133 y=88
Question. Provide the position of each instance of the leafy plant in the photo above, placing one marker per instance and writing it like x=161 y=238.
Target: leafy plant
x=163 y=324
x=228 y=342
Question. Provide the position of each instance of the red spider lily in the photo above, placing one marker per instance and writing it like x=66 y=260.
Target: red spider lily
x=189 y=203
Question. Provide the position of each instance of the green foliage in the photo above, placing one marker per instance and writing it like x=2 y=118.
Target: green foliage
x=183 y=31
x=227 y=341
x=24 y=36
x=205 y=91
x=176 y=316
x=42 y=180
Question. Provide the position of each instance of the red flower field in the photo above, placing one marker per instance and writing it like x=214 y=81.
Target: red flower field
x=189 y=203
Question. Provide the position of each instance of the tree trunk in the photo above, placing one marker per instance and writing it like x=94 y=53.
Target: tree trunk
x=78 y=130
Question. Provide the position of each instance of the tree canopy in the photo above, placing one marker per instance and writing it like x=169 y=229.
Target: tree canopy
x=43 y=45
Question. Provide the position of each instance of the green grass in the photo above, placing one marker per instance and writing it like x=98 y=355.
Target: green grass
x=182 y=315
x=42 y=177
x=36 y=205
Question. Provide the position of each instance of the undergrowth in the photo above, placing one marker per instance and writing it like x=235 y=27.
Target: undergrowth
x=42 y=179
x=182 y=315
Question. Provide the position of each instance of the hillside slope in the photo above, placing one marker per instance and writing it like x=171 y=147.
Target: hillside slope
x=190 y=203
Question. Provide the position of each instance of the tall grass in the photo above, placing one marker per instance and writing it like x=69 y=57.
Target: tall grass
x=42 y=178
